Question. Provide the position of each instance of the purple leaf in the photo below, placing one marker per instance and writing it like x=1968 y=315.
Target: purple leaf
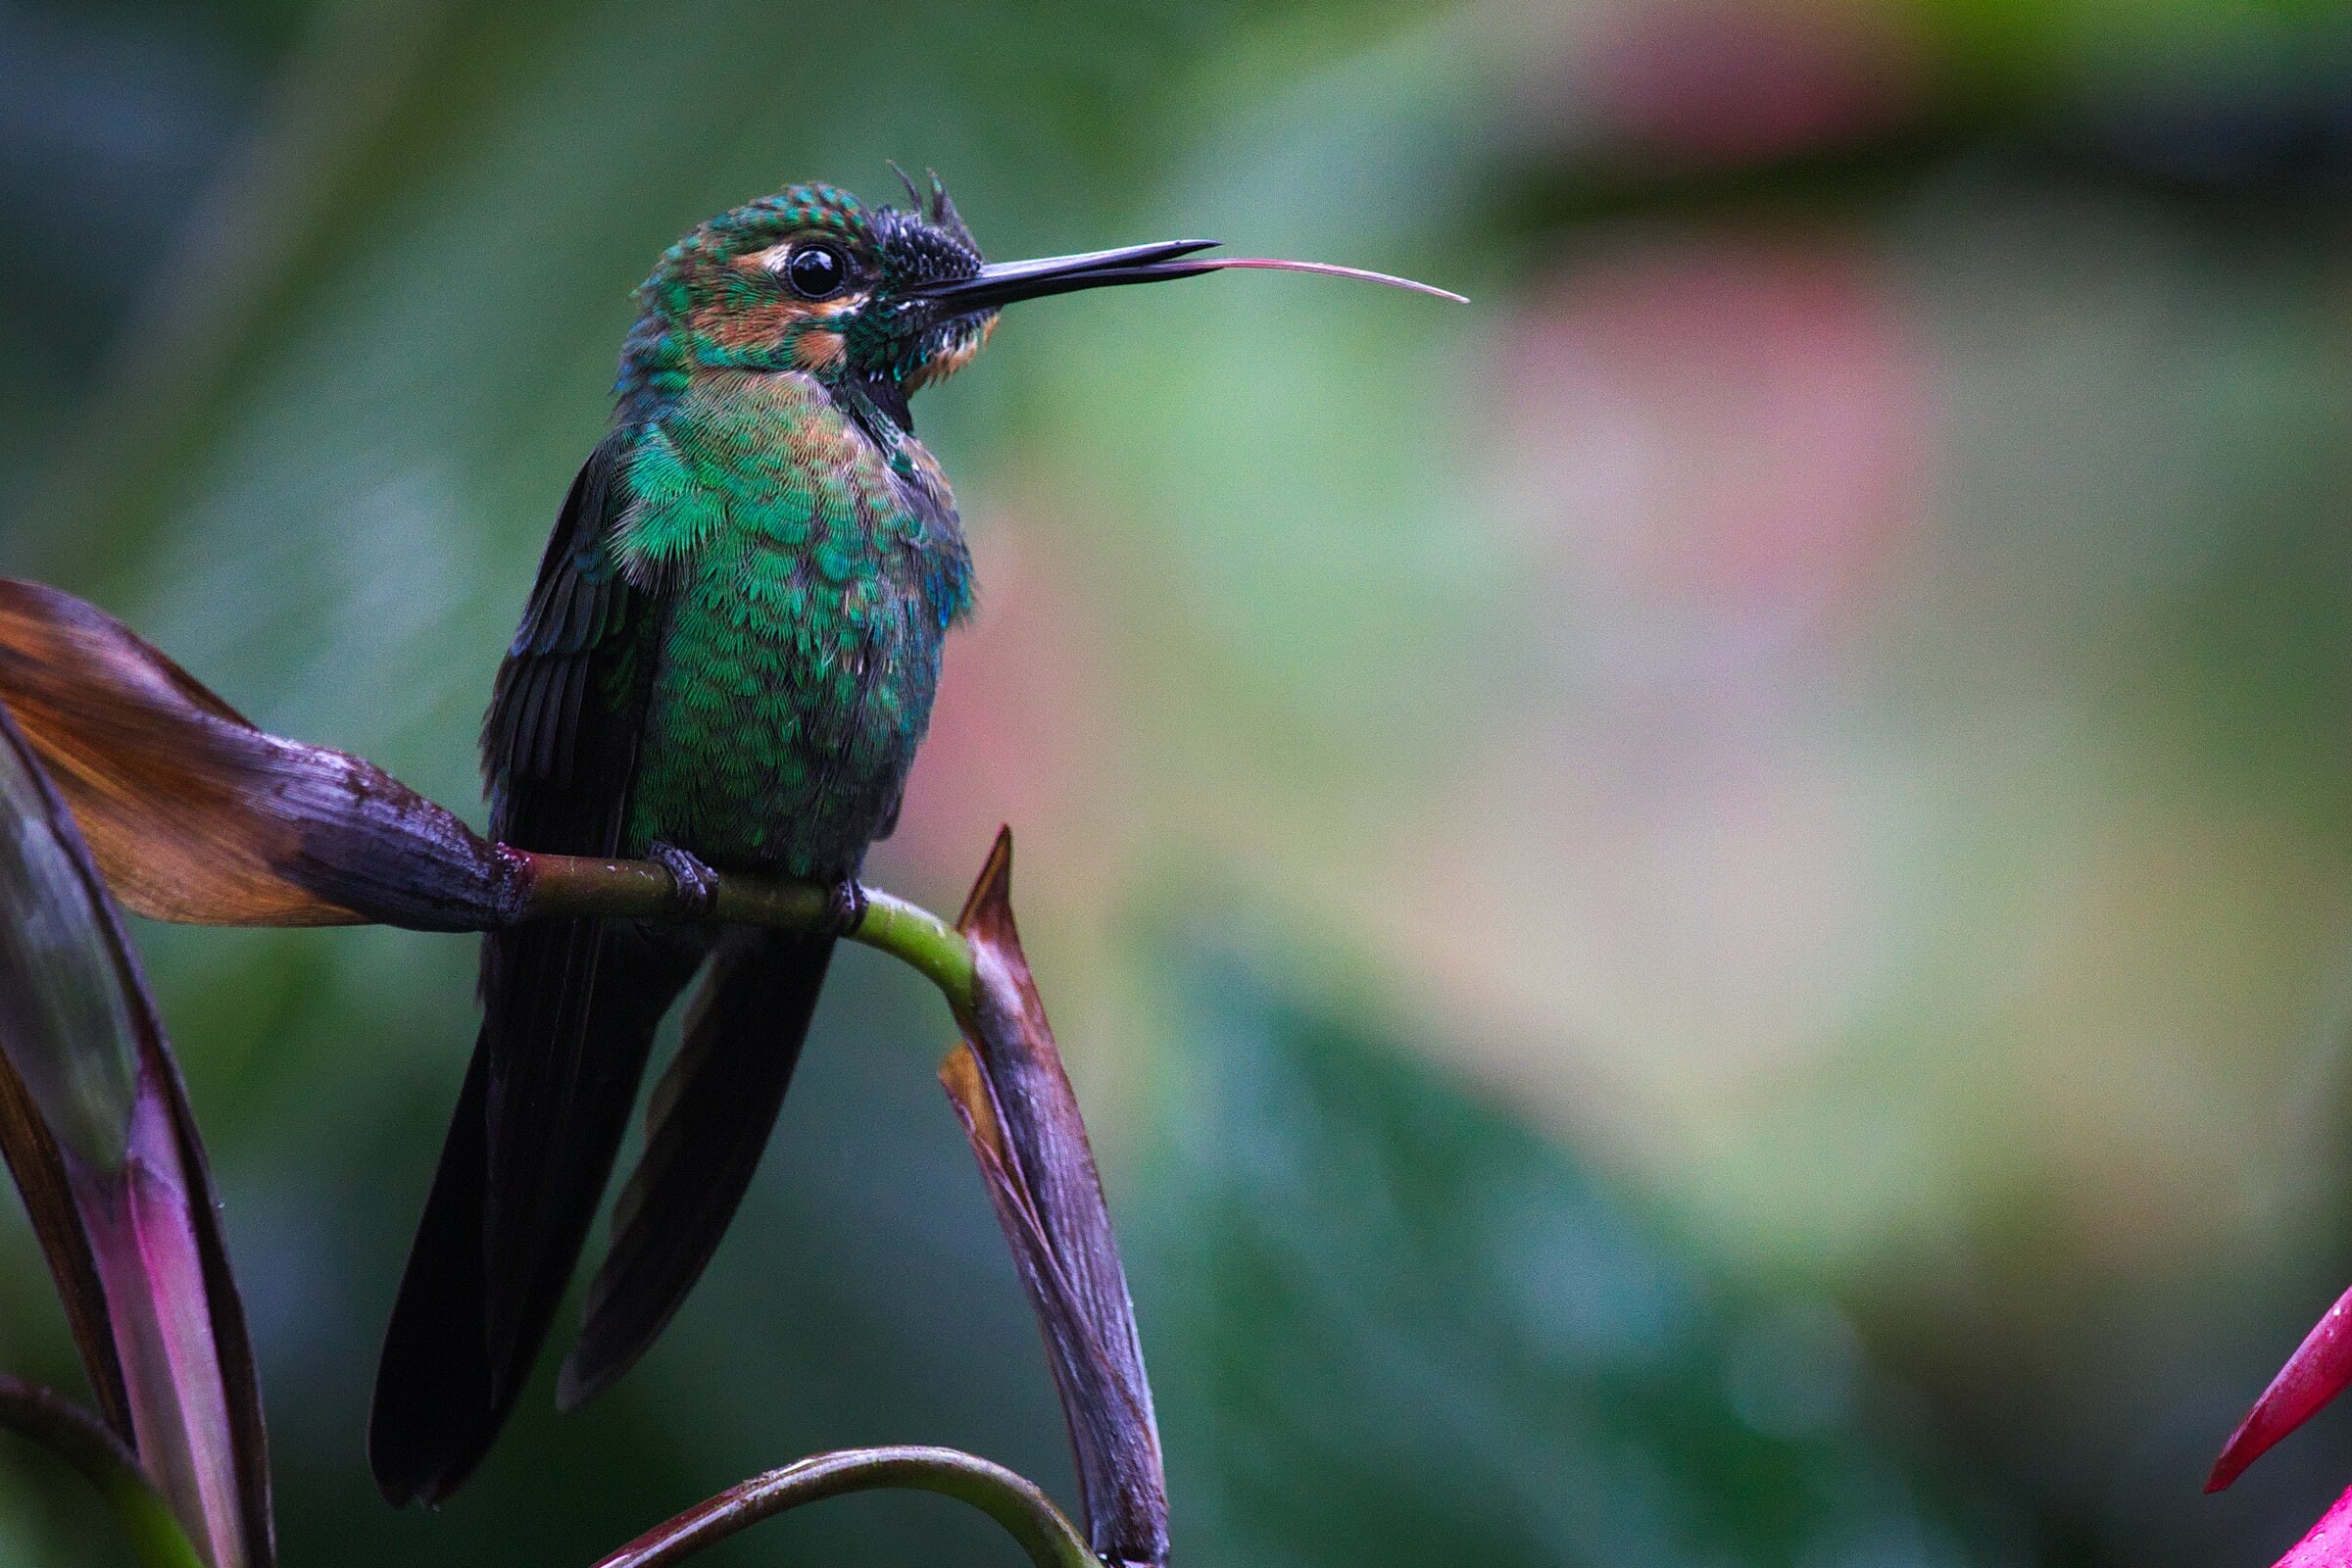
x=68 y=1028
x=1018 y=1110
x=95 y=1126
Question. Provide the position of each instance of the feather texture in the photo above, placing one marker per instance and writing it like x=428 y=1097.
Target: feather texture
x=569 y=1011
x=731 y=650
x=707 y=1123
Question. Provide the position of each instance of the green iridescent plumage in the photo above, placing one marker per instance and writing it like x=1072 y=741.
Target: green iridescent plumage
x=728 y=660
x=804 y=544
x=809 y=584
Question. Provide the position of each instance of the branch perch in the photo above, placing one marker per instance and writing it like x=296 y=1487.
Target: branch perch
x=194 y=815
x=544 y=886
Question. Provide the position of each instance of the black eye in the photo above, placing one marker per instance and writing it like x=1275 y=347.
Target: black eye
x=817 y=272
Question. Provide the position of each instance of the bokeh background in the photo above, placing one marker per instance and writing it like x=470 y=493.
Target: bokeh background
x=1704 y=910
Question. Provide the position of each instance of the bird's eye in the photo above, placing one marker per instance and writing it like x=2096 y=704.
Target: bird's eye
x=817 y=272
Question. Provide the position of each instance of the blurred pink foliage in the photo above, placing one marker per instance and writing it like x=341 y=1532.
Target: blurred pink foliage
x=1704 y=81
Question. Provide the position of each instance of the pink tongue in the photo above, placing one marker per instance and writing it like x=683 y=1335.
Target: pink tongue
x=1270 y=263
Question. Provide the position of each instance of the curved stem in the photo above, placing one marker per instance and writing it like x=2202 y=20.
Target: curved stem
x=923 y=941
x=1027 y=1515
x=91 y=1446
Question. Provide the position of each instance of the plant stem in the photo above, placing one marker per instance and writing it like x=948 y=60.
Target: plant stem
x=1027 y=1515
x=923 y=942
x=554 y=885
x=91 y=1446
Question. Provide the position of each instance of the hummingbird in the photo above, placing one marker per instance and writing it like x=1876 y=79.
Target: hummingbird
x=726 y=664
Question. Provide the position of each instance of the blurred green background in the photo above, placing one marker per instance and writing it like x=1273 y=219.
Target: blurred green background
x=1704 y=910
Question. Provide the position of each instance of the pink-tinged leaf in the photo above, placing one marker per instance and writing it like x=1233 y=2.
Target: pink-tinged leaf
x=96 y=1127
x=2329 y=1544
x=152 y=1263
x=67 y=1058
x=196 y=815
x=70 y=1033
x=2313 y=1375
x=1018 y=1110
x=38 y=1166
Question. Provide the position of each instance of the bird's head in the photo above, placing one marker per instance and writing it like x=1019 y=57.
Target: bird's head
x=888 y=299
x=881 y=300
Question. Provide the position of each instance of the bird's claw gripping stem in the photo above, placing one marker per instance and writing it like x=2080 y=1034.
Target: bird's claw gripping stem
x=696 y=884
x=845 y=907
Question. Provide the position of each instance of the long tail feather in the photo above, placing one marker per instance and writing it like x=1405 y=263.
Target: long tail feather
x=707 y=1124
x=570 y=1010
x=434 y=1380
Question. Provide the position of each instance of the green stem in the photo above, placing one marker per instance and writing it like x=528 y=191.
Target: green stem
x=1027 y=1515
x=91 y=1446
x=921 y=941
x=557 y=885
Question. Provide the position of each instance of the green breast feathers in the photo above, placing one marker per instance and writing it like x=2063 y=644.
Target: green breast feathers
x=809 y=576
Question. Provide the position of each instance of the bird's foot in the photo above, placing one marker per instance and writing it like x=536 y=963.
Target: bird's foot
x=696 y=885
x=845 y=907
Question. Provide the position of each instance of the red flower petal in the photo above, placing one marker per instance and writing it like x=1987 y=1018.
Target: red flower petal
x=2329 y=1544
x=2315 y=1374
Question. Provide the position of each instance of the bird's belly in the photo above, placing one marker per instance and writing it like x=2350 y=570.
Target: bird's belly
x=783 y=717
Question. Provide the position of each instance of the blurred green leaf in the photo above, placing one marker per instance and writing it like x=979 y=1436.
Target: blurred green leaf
x=102 y=1459
x=1393 y=1327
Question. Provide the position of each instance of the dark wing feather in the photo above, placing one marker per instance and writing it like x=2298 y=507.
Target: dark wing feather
x=570 y=1008
x=705 y=1126
x=534 y=732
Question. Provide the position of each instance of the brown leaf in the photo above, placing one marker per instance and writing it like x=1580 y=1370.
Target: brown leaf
x=1018 y=1110
x=196 y=815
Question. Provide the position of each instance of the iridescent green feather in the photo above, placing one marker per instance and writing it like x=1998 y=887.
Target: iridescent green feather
x=809 y=584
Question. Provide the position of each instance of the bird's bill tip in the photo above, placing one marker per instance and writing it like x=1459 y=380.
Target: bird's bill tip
x=1003 y=283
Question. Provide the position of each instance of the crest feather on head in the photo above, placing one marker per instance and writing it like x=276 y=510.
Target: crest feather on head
x=938 y=208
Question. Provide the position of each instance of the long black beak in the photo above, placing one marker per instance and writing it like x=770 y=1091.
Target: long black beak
x=1004 y=282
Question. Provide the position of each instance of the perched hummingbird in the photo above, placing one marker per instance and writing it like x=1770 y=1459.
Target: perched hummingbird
x=727 y=661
